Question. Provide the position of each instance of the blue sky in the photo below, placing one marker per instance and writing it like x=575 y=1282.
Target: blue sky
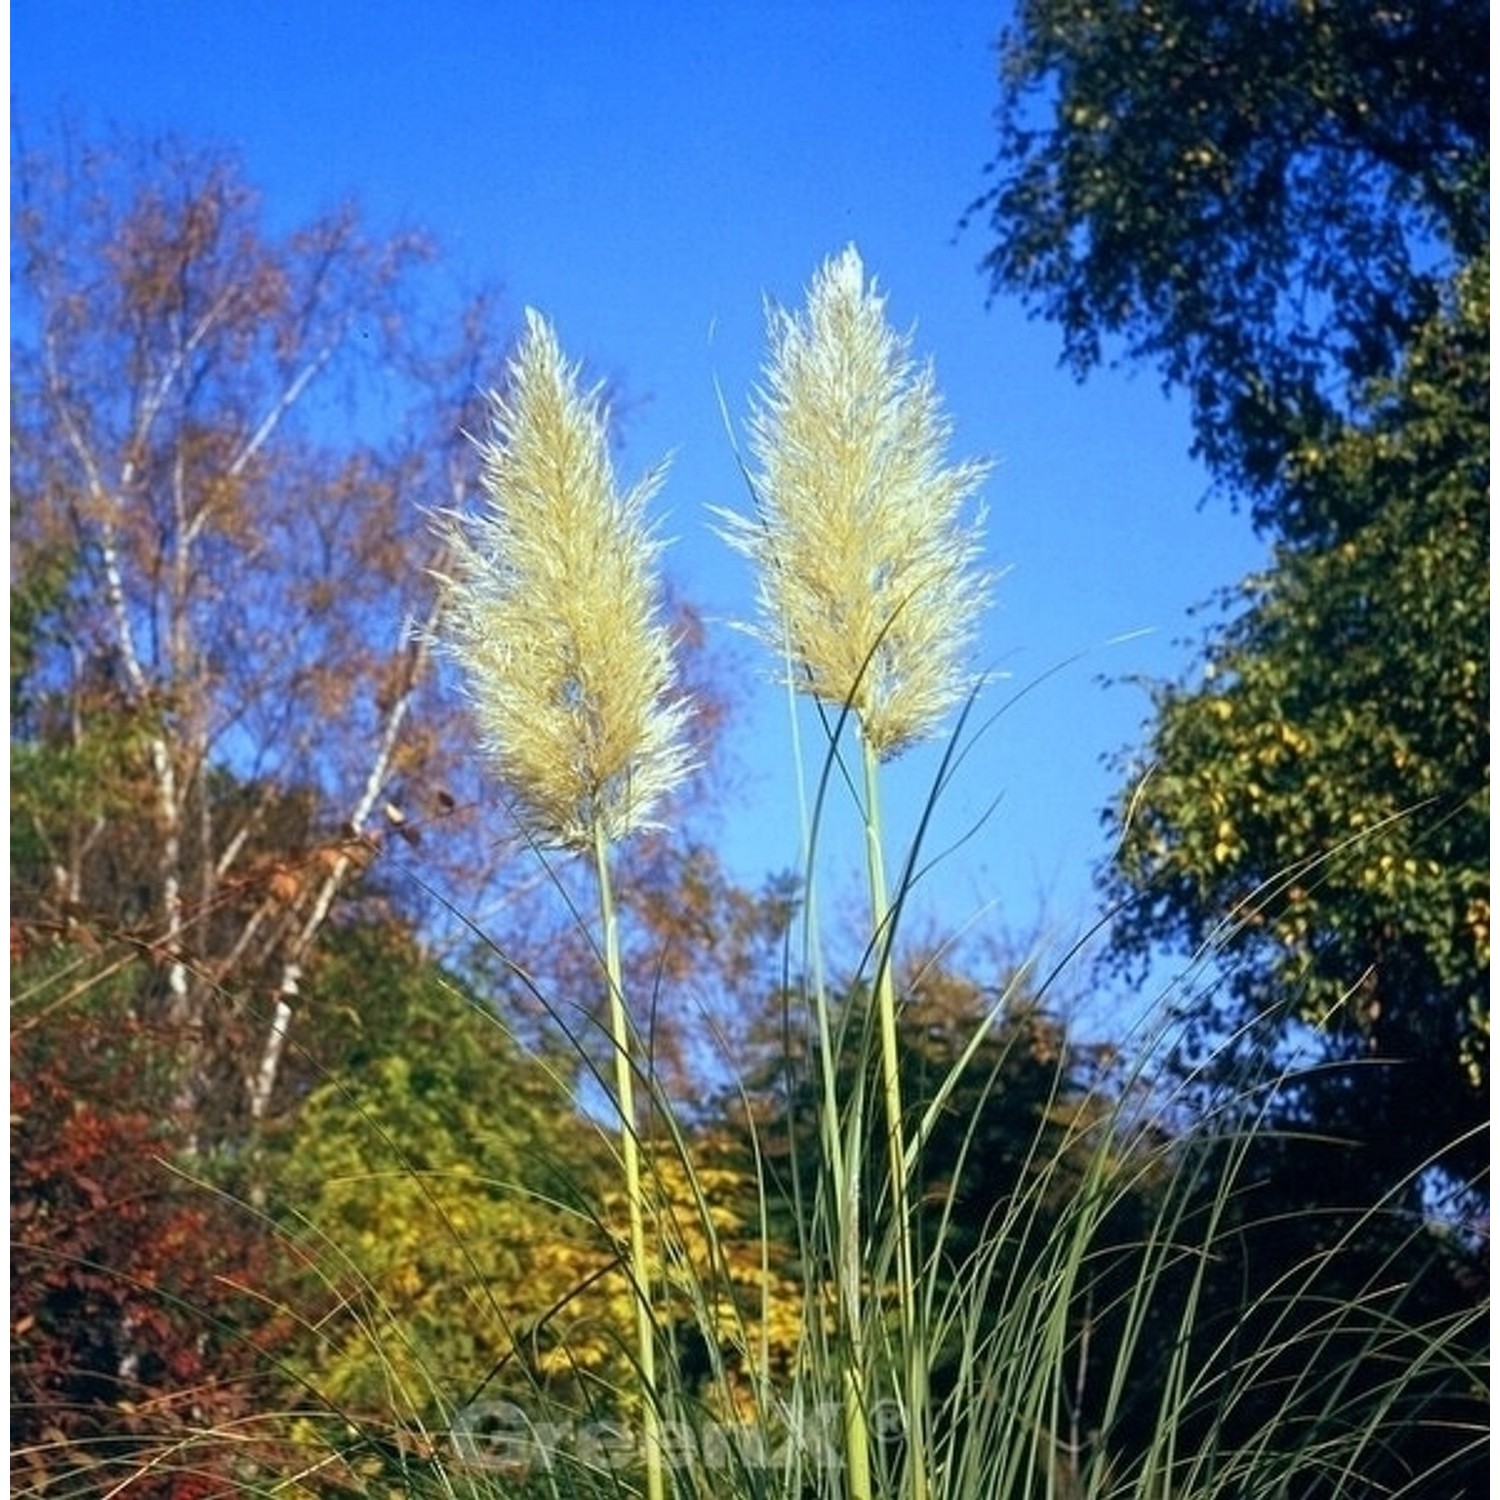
x=646 y=174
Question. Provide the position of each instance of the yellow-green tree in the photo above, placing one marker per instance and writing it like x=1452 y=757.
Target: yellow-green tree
x=458 y=1230
x=1284 y=208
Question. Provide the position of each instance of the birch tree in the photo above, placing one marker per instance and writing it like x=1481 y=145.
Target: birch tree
x=229 y=433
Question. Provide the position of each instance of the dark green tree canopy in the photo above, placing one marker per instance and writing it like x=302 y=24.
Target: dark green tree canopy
x=1261 y=199
x=1282 y=205
x=1319 y=805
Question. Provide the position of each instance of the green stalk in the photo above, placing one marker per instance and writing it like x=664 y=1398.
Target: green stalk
x=640 y=1276
x=849 y=1280
x=913 y=1355
x=842 y=1156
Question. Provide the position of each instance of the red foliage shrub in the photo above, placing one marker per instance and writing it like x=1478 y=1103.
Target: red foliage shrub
x=133 y=1330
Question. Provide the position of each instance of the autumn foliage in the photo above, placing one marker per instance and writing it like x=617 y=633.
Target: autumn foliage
x=134 y=1327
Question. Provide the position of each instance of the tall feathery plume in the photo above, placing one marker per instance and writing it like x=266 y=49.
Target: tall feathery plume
x=552 y=613
x=870 y=589
x=552 y=616
x=867 y=566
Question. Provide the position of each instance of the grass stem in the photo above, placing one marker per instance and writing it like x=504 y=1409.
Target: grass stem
x=913 y=1364
x=640 y=1272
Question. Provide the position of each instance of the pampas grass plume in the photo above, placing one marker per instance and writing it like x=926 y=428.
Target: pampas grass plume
x=552 y=613
x=866 y=563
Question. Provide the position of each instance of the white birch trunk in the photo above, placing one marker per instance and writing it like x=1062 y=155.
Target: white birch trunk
x=263 y=1083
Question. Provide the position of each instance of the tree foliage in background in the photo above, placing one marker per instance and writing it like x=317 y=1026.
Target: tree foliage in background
x=457 y=1229
x=135 y=1314
x=430 y=1185
x=1320 y=804
x=1012 y=1106
x=177 y=503
x=1262 y=200
x=217 y=555
x=1284 y=208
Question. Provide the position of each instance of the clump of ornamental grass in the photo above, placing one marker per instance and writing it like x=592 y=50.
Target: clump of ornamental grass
x=552 y=615
x=867 y=556
x=1076 y=1344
